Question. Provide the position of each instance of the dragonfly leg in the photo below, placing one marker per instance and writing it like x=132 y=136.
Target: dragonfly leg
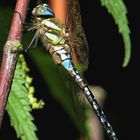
x=34 y=39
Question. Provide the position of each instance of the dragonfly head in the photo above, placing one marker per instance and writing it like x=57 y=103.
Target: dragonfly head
x=43 y=11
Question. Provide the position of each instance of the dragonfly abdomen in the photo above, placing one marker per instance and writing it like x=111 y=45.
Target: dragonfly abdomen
x=92 y=100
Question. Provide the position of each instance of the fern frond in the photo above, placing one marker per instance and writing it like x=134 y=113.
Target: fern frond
x=118 y=10
x=19 y=105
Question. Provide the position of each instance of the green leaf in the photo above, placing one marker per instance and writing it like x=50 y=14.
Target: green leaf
x=118 y=10
x=19 y=106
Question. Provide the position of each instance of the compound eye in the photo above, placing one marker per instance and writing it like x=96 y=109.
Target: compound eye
x=43 y=10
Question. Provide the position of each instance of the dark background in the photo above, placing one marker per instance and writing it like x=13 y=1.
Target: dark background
x=105 y=69
x=106 y=55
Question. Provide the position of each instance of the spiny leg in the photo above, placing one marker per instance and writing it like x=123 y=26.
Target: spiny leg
x=30 y=27
x=34 y=39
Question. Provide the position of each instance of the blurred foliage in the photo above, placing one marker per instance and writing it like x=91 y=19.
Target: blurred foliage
x=60 y=85
x=4 y=27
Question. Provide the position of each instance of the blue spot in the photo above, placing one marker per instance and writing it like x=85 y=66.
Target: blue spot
x=67 y=64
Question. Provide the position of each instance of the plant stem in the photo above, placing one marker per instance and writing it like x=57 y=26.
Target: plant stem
x=11 y=53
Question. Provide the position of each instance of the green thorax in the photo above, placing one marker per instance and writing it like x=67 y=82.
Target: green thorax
x=51 y=31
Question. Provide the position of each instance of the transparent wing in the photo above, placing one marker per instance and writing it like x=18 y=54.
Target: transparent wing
x=78 y=103
x=79 y=46
x=77 y=40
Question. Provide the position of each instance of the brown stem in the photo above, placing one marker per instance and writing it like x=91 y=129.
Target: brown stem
x=11 y=52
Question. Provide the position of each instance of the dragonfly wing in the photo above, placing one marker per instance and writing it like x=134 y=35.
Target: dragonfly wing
x=77 y=39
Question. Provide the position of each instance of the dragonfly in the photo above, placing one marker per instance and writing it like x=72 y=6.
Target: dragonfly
x=66 y=49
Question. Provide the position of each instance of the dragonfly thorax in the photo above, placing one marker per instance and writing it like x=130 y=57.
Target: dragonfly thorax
x=54 y=37
x=51 y=31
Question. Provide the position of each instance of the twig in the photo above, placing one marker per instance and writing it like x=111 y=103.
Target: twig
x=11 y=53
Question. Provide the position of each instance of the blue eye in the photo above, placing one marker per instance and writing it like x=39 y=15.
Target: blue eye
x=43 y=10
x=48 y=12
